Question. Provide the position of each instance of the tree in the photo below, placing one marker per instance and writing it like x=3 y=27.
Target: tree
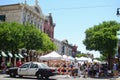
x=35 y=39
x=102 y=38
x=32 y=38
x=48 y=45
x=102 y=58
x=10 y=36
x=82 y=55
x=14 y=36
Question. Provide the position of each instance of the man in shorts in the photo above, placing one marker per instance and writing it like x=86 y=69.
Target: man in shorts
x=76 y=67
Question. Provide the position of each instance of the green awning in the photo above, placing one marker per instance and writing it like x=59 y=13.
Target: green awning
x=10 y=54
x=3 y=54
x=20 y=56
x=16 y=55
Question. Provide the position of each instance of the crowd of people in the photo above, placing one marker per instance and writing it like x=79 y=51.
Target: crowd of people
x=7 y=64
x=76 y=69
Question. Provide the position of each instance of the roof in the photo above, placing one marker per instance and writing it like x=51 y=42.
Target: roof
x=10 y=5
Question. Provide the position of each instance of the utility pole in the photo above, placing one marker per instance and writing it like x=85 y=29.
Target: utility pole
x=118 y=43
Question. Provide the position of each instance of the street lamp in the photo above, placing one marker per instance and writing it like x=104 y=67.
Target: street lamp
x=118 y=47
x=118 y=13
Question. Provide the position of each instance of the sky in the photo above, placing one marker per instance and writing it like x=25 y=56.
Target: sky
x=74 y=17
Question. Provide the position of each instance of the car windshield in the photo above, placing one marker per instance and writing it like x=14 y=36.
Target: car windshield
x=43 y=65
x=25 y=66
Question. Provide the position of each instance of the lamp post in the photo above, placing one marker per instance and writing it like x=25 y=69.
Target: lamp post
x=118 y=13
x=118 y=43
x=118 y=48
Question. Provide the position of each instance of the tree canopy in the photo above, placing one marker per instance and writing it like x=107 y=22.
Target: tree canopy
x=102 y=38
x=82 y=55
x=14 y=36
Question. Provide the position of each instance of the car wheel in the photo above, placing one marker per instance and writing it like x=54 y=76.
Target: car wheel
x=39 y=76
x=12 y=75
x=20 y=76
x=46 y=77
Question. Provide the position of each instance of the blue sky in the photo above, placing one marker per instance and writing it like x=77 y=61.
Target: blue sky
x=73 y=17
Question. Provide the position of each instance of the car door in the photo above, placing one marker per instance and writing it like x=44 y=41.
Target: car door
x=23 y=70
x=33 y=69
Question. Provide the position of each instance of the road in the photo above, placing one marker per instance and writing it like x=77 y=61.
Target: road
x=58 y=77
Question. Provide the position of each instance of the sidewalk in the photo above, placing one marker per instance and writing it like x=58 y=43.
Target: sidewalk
x=89 y=78
x=118 y=78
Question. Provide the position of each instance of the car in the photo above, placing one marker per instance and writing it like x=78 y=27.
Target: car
x=40 y=70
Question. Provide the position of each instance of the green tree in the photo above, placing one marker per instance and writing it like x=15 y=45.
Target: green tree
x=14 y=36
x=102 y=38
x=48 y=45
x=81 y=55
x=32 y=37
x=35 y=39
x=102 y=58
x=10 y=36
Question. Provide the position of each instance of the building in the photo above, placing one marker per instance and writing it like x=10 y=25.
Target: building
x=58 y=45
x=49 y=26
x=22 y=13
x=64 y=48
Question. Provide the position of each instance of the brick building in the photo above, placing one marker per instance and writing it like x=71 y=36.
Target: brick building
x=49 y=26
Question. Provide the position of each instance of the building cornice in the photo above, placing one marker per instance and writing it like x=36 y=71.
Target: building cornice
x=27 y=7
x=20 y=6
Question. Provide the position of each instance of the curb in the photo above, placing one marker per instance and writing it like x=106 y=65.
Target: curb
x=118 y=78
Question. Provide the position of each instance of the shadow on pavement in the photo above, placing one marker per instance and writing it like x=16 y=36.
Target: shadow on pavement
x=110 y=78
x=28 y=77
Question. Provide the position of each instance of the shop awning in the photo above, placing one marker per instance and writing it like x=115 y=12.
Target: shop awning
x=20 y=56
x=3 y=54
x=10 y=54
x=16 y=55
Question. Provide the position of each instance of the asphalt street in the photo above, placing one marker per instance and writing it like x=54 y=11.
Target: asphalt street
x=58 y=77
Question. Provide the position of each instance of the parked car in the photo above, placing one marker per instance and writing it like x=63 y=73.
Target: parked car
x=38 y=69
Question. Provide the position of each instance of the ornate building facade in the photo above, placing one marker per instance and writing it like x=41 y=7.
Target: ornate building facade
x=22 y=13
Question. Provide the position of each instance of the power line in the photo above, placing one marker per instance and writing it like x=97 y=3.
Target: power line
x=74 y=8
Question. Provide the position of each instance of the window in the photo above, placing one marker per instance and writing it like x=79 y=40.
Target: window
x=25 y=66
x=2 y=17
x=43 y=66
x=34 y=66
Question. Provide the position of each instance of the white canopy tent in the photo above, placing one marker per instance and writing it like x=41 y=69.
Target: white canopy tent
x=51 y=56
x=83 y=59
x=97 y=61
x=71 y=58
x=67 y=58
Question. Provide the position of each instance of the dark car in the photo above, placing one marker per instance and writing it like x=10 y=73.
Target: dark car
x=38 y=69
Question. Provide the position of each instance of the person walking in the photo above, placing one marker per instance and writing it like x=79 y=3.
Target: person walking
x=8 y=64
x=3 y=67
x=19 y=63
x=79 y=72
x=76 y=67
x=115 y=70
